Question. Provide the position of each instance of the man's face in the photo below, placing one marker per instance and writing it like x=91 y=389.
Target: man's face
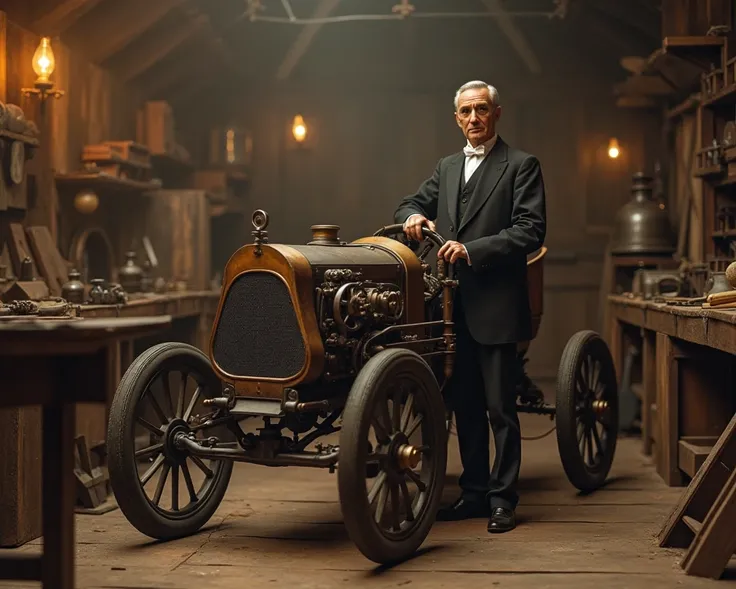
x=476 y=115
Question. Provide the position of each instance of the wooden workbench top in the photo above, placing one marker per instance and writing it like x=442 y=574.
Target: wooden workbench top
x=176 y=304
x=715 y=328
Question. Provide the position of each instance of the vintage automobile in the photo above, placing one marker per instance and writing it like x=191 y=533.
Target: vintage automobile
x=351 y=343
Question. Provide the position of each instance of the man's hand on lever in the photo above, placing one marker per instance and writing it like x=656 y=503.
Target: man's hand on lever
x=413 y=226
x=452 y=251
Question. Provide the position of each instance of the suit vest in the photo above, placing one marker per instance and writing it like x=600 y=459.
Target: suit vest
x=467 y=188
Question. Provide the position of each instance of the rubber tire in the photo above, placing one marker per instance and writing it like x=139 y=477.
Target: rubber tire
x=357 y=513
x=124 y=477
x=573 y=463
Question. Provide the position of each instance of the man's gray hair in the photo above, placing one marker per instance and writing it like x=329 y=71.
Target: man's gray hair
x=474 y=85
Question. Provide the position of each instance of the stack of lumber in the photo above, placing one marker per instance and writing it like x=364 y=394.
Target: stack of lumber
x=721 y=300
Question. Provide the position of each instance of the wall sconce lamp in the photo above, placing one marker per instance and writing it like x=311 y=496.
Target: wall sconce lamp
x=613 y=148
x=44 y=65
x=299 y=129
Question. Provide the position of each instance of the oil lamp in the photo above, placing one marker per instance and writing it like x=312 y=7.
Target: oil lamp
x=43 y=64
x=299 y=128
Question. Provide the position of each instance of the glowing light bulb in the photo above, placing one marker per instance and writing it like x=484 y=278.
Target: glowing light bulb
x=613 y=149
x=299 y=128
x=43 y=60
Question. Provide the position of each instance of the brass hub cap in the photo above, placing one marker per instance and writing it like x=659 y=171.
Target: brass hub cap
x=408 y=456
x=600 y=406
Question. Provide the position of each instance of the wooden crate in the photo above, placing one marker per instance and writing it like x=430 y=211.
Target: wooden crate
x=178 y=225
x=155 y=128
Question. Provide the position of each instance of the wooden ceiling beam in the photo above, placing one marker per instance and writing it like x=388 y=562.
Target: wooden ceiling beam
x=514 y=35
x=619 y=14
x=145 y=54
x=304 y=40
x=54 y=20
x=188 y=63
x=609 y=33
x=104 y=33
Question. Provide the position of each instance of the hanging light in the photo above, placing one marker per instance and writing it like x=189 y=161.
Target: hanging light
x=613 y=149
x=299 y=128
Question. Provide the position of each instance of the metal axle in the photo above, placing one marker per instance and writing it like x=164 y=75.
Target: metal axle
x=309 y=459
x=537 y=409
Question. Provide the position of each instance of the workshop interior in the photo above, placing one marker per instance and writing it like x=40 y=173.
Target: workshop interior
x=223 y=360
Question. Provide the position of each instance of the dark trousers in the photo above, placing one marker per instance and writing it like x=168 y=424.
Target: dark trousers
x=483 y=390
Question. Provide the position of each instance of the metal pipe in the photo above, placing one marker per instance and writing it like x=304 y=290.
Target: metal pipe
x=308 y=459
x=369 y=17
x=289 y=11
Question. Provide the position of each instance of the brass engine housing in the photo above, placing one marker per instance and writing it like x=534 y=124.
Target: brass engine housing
x=295 y=315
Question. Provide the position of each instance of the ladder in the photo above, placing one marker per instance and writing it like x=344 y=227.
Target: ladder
x=704 y=520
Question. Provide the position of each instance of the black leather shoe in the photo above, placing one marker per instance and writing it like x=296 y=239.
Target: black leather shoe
x=463 y=509
x=501 y=520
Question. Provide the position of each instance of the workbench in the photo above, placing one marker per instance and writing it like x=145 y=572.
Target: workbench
x=190 y=317
x=51 y=363
x=192 y=314
x=687 y=365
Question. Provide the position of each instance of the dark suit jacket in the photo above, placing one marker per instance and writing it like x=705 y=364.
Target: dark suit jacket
x=505 y=220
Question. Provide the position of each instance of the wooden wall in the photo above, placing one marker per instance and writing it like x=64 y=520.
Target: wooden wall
x=370 y=147
x=686 y=189
x=95 y=107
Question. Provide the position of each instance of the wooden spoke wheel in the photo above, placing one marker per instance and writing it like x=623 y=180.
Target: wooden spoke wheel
x=587 y=410
x=393 y=425
x=163 y=491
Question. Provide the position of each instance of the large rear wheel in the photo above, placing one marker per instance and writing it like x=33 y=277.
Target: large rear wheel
x=587 y=410
x=394 y=419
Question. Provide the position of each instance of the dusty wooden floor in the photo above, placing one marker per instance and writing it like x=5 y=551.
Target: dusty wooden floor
x=282 y=528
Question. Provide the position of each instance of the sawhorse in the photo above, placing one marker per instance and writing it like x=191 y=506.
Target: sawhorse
x=704 y=520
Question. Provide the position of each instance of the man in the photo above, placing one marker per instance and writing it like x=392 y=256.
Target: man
x=488 y=201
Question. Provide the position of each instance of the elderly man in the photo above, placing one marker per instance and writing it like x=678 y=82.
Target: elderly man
x=488 y=201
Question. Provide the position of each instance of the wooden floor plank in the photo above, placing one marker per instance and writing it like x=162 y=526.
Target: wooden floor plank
x=283 y=528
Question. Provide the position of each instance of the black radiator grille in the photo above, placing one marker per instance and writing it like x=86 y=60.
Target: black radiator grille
x=258 y=333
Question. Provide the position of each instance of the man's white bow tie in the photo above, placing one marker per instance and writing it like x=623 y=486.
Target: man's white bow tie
x=471 y=151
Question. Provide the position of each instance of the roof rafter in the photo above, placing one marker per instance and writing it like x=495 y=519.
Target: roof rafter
x=53 y=21
x=304 y=40
x=104 y=33
x=147 y=52
x=514 y=35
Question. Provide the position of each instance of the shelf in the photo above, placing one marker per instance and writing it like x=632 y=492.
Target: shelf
x=690 y=104
x=725 y=97
x=168 y=163
x=102 y=181
x=709 y=171
x=27 y=139
x=703 y=51
x=728 y=181
x=682 y=76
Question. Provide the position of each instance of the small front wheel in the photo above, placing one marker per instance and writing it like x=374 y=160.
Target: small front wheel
x=163 y=491
x=587 y=410
x=395 y=398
